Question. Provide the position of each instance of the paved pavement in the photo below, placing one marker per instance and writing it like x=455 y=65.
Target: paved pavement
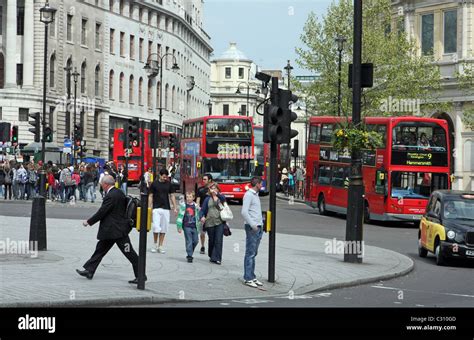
x=50 y=280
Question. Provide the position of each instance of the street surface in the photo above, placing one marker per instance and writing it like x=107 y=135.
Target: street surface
x=428 y=285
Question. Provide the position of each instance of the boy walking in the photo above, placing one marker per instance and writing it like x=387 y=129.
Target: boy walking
x=188 y=220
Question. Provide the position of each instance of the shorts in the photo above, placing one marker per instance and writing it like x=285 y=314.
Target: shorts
x=160 y=221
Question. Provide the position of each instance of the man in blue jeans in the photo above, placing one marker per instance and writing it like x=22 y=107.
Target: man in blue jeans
x=252 y=214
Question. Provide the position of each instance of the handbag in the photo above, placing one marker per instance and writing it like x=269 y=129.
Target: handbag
x=225 y=212
x=227 y=231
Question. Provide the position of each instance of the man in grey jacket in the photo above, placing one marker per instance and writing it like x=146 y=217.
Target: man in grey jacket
x=252 y=214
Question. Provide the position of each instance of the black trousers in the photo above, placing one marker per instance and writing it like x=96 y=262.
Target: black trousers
x=8 y=188
x=216 y=240
x=103 y=248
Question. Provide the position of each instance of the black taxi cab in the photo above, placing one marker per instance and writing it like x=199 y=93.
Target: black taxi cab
x=447 y=228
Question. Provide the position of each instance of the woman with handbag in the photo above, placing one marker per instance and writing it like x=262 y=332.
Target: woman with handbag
x=213 y=223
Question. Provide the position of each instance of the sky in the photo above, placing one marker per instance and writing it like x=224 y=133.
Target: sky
x=266 y=31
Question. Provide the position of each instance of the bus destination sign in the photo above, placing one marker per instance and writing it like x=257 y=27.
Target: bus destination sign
x=419 y=158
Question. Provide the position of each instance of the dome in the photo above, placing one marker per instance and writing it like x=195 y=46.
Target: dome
x=233 y=53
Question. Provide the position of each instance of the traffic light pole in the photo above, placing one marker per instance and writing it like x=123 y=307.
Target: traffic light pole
x=355 y=206
x=143 y=216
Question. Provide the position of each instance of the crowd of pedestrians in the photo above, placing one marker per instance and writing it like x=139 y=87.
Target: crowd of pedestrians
x=292 y=183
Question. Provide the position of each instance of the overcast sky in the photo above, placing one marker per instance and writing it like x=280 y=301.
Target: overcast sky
x=267 y=31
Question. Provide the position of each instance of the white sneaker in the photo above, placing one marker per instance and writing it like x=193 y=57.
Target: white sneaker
x=154 y=249
x=251 y=284
x=258 y=283
x=161 y=250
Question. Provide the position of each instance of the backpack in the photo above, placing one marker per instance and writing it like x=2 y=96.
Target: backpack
x=8 y=177
x=68 y=178
x=131 y=212
x=32 y=177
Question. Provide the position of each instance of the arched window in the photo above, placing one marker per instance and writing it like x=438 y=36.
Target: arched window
x=150 y=96
x=111 y=85
x=97 y=81
x=167 y=95
x=83 y=77
x=52 y=71
x=131 y=89
x=68 y=80
x=122 y=78
x=2 y=71
x=173 y=99
x=158 y=94
x=140 y=91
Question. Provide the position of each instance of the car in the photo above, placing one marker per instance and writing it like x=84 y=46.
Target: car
x=447 y=228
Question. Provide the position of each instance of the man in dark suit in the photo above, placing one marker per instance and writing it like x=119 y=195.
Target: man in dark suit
x=113 y=229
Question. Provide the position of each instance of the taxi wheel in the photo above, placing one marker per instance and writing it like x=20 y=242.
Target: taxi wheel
x=440 y=259
x=422 y=252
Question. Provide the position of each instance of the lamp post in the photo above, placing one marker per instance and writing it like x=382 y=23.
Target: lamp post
x=75 y=75
x=68 y=70
x=340 y=47
x=257 y=92
x=288 y=69
x=209 y=105
x=38 y=209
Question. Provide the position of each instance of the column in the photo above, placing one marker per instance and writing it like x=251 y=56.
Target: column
x=458 y=155
x=10 y=60
x=465 y=19
x=28 y=45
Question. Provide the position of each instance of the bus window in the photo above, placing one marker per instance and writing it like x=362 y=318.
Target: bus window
x=314 y=134
x=380 y=182
x=324 y=177
x=338 y=177
x=326 y=133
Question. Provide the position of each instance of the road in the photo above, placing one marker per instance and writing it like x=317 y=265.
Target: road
x=427 y=285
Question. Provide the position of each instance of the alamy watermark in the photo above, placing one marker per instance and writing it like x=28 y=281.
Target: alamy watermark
x=12 y=247
x=234 y=151
x=405 y=105
x=83 y=104
x=338 y=247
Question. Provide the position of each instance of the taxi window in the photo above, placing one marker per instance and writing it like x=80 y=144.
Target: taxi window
x=437 y=208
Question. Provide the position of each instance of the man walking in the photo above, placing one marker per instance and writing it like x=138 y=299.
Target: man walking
x=252 y=214
x=160 y=194
x=113 y=229
x=202 y=193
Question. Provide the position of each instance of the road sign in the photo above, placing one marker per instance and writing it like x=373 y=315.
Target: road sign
x=67 y=143
x=67 y=150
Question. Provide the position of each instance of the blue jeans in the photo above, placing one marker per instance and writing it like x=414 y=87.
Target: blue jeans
x=124 y=188
x=191 y=239
x=216 y=240
x=251 y=250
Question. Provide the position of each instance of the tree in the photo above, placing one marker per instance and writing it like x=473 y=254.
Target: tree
x=401 y=75
x=466 y=84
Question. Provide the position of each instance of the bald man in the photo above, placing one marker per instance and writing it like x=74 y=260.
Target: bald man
x=113 y=229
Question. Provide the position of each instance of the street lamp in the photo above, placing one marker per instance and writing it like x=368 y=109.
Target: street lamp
x=257 y=92
x=340 y=47
x=68 y=70
x=209 y=105
x=75 y=76
x=38 y=209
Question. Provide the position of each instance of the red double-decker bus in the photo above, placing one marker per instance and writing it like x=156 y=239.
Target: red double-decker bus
x=261 y=162
x=398 y=177
x=163 y=154
x=222 y=146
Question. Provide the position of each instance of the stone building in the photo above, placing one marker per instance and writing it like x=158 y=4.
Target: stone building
x=108 y=43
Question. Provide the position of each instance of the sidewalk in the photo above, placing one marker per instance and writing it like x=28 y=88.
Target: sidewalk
x=302 y=266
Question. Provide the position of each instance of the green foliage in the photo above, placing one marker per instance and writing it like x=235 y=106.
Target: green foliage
x=466 y=84
x=399 y=73
x=348 y=136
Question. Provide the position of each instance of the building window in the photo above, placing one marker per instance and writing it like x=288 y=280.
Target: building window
x=158 y=49
x=97 y=81
x=167 y=94
x=122 y=79
x=52 y=29
x=97 y=36
x=83 y=78
x=150 y=48
x=228 y=73
x=84 y=32
x=140 y=14
x=51 y=117
x=1 y=20
x=122 y=44
x=131 y=89
x=158 y=93
x=241 y=73
x=69 y=27
x=140 y=91
x=140 y=47
x=243 y=110
x=52 y=69
x=226 y=110
x=149 y=96
x=19 y=74
x=166 y=58
x=427 y=34
x=450 y=31
x=1 y=113
x=23 y=114
x=96 y=123
x=173 y=99
x=111 y=85
x=132 y=47
x=20 y=20
x=122 y=5
x=112 y=41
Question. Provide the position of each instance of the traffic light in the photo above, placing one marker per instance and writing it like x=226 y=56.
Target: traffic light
x=14 y=135
x=286 y=97
x=154 y=131
x=294 y=151
x=133 y=132
x=5 y=129
x=48 y=134
x=172 y=141
x=77 y=134
x=272 y=122
x=36 y=125
x=126 y=141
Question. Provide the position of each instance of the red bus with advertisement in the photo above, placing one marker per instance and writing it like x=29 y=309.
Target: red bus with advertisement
x=261 y=163
x=164 y=155
x=399 y=177
x=222 y=146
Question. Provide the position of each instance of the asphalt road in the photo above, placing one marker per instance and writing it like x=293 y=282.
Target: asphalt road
x=428 y=285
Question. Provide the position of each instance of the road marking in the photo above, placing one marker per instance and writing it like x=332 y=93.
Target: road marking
x=422 y=291
x=295 y=297
x=323 y=295
x=252 y=301
x=225 y=304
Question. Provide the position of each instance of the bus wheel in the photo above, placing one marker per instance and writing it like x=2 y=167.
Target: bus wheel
x=322 y=205
x=366 y=213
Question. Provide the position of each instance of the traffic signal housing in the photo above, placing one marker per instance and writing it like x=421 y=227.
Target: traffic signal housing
x=14 y=135
x=294 y=151
x=48 y=134
x=5 y=129
x=133 y=132
x=77 y=134
x=173 y=141
x=286 y=97
x=36 y=123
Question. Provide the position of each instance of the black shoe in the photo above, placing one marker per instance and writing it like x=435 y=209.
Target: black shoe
x=216 y=262
x=203 y=250
x=85 y=273
x=190 y=259
x=135 y=281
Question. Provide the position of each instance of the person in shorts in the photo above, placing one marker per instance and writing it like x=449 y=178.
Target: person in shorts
x=159 y=197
